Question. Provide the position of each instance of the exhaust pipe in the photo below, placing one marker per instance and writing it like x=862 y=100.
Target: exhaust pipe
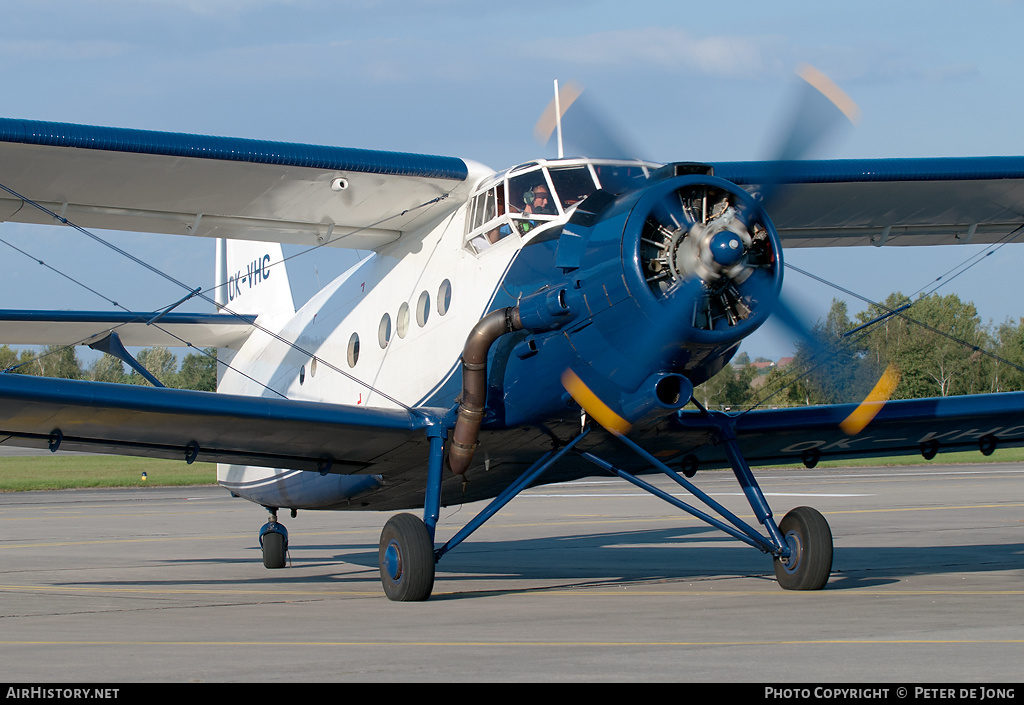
x=474 y=384
x=546 y=309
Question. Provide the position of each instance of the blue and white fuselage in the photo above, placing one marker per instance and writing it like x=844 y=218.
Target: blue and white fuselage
x=390 y=332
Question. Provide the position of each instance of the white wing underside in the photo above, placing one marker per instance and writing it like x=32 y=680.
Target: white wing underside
x=219 y=198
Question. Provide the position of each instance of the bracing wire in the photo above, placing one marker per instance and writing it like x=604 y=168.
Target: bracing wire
x=139 y=318
x=203 y=294
x=862 y=331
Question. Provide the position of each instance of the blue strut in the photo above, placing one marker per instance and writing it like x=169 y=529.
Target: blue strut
x=524 y=481
x=773 y=544
x=436 y=433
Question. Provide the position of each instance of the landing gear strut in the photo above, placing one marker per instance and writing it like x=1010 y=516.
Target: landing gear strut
x=800 y=546
x=406 y=551
x=406 y=556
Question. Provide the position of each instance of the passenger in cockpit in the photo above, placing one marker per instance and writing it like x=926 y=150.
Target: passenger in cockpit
x=538 y=201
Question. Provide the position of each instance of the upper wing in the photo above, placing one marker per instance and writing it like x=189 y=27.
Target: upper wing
x=160 y=182
x=137 y=329
x=891 y=201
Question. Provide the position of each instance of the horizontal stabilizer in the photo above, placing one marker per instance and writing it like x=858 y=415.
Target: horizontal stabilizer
x=199 y=330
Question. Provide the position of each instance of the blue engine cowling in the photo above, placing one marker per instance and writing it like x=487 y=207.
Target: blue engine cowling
x=664 y=280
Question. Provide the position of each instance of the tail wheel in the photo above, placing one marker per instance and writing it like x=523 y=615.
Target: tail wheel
x=275 y=546
x=810 y=544
x=406 y=556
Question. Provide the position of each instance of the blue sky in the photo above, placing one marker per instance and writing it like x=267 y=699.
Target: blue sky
x=686 y=81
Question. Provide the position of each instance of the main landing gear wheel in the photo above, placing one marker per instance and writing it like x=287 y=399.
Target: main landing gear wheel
x=406 y=559
x=810 y=543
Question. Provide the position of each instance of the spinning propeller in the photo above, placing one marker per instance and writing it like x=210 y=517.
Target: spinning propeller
x=709 y=256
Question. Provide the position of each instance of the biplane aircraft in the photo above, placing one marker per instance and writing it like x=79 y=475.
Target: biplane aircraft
x=538 y=324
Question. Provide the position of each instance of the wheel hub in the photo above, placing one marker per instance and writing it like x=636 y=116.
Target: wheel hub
x=393 y=561
x=791 y=563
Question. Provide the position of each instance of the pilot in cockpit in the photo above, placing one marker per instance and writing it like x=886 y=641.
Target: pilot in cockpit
x=538 y=201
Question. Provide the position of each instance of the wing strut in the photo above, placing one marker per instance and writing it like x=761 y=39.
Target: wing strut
x=111 y=344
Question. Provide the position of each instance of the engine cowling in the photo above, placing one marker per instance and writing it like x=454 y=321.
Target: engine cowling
x=673 y=275
x=700 y=228
x=641 y=296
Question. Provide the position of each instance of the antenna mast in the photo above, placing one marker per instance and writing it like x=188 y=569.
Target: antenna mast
x=558 y=121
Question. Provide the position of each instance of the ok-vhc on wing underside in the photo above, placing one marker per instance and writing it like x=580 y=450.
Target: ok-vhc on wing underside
x=498 y=317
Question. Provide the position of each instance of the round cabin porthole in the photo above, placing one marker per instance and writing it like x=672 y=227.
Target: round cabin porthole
x=402 y=320
x=312 y=367
x=444 y=297
x=353 y=350
x=384 y=331
x=302 y=375
x=423 y=309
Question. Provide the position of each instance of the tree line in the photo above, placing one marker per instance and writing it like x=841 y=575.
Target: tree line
x=197 y=371
x=938 y=345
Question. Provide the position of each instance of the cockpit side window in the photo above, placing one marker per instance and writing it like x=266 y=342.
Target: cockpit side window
x=532 y=195
x=487 y=223
x=532 y=202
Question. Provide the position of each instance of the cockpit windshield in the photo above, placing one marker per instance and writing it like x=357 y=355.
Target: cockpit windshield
x=620 y=178
x=573 y=184
x=537 y=194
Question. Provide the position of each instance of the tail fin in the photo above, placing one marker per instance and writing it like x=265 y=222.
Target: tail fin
x=252 y=279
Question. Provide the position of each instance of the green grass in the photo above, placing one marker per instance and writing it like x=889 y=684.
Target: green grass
x=58 y=472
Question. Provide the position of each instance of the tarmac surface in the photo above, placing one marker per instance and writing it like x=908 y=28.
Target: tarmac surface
x=589 y=581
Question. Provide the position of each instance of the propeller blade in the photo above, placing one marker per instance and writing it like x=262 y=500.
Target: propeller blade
x=583 y=127
x=734 y=288
x=866 y=411
x=820 y=108
x=555 y=111
x=591 y=403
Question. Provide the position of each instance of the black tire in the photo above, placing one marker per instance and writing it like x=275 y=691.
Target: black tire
x=274 y=550
x=406 y=557
x=810 y=540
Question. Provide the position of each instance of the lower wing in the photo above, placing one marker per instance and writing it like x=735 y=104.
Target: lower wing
x=903 y=427
x=187 y=425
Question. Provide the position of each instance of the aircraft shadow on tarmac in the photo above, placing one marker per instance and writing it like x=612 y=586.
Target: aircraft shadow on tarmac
x=605 y=559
